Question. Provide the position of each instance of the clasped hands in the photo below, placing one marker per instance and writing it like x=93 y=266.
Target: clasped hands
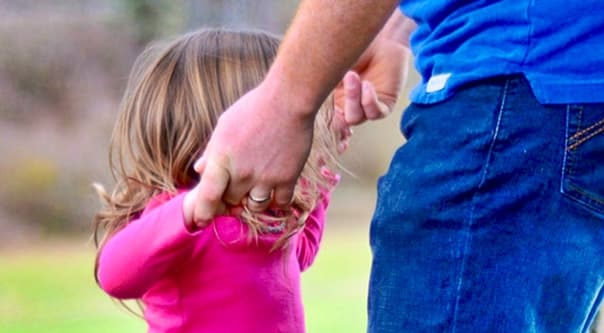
x=260 y=146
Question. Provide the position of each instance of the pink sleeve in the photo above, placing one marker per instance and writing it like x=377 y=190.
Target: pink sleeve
x=310 y=237
x=146 y=249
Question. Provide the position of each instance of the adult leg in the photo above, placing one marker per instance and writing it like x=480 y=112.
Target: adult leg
x=491 y=216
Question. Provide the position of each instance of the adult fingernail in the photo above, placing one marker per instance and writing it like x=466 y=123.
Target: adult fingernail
x=197 y=166
x=351 y=79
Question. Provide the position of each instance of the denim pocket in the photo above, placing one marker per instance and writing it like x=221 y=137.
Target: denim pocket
x=583 y=174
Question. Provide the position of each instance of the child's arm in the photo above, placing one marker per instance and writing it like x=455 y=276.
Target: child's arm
x=310 y=236
x=146 y=249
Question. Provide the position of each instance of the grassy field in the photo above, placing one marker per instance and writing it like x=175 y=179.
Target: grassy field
x=49 y=287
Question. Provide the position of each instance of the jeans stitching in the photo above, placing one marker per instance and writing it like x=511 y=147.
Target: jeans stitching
x=572 y=159
x=571 y=156
x=584 y=193
x=578 y=134
x=569 y=160
x=468 y=236
x=566 y=151
x=585 y=138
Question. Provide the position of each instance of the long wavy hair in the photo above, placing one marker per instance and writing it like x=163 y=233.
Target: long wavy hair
x=173 y=99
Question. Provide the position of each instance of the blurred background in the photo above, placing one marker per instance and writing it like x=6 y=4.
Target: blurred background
x=63 y=68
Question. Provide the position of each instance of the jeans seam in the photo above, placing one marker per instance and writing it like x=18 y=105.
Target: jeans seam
x=468 y=236
x=594 y=311
x=566 y=150
x=570 y=154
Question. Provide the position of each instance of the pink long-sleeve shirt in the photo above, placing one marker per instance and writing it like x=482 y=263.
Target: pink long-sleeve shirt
x=213 y=280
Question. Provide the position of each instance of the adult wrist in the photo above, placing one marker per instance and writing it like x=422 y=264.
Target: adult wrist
x=291 y=94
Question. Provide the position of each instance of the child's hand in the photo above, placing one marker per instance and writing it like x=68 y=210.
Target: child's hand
x=342 y=130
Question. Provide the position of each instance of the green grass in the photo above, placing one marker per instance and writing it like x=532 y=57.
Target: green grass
x=50 y=288
x=335 y=287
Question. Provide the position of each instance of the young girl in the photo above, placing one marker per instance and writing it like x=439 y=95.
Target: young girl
x=239 y=273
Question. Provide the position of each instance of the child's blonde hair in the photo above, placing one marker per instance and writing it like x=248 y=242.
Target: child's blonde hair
x=173 y=99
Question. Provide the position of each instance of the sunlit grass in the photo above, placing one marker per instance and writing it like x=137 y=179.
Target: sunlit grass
x=49 y=287
x=335 y=287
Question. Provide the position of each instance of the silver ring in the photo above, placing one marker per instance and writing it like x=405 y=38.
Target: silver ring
x=259 y=200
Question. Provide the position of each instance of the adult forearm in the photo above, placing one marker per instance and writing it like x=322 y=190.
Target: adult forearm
x=398 y=27
x=325 y=38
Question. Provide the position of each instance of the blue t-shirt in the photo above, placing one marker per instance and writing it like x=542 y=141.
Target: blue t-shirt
x=557 y=44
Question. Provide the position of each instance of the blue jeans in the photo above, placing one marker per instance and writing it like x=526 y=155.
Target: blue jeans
x=491 y=216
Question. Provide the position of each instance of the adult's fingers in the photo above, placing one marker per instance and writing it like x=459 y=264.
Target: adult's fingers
x=259 y=198
x=235 y=194
x=370 y=102
x=213 y=183
x=353 y=110
x=200 y=164
x=220 y=209
x=283 y=195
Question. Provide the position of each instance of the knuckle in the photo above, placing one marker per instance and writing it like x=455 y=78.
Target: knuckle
x=243 y=174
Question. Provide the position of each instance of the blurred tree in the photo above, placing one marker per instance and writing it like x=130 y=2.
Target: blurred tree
x=271 y=15
x=153 y=18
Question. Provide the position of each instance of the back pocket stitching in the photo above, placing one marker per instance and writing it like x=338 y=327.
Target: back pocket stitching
x=587 y=195
x=578 y=134
x=589 y=136
x=567 y=187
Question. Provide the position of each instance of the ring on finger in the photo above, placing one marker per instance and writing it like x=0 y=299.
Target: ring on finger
x=259 y=200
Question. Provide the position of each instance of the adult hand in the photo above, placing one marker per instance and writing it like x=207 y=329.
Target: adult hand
x=370 y=90
x=261 y=143
x=242 y=163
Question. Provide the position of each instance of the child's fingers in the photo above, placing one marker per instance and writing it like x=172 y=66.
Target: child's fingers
x=343 y=131
x=341 y=127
